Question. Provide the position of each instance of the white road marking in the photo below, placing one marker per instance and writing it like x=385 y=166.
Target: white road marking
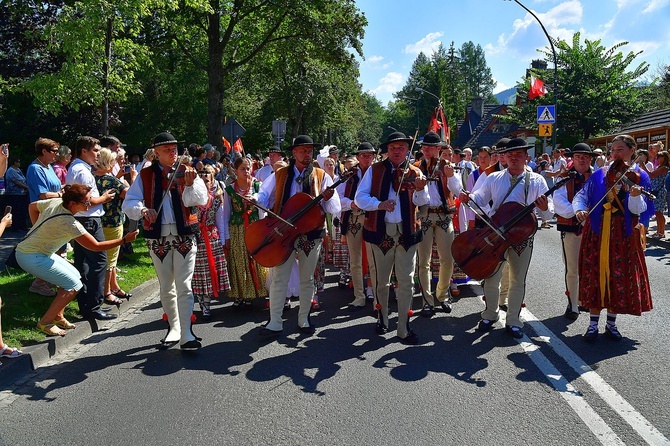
x=626 y=411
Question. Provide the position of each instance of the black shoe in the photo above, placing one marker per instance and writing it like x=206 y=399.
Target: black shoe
x=591 y=334
x=309 y=330
x=354 y=308
x=266 y=332
x=427 y=311
x=100 y=315
x=514 y=332
x=503 y=307
x=287 y=306
x=612 y=333
x=410 y=339
x=569 y=314
x=485 y=325
x=583 y=309
x=191 y=345
x=237 y=305
x=446 y=306
x=164 y=345
x=380 y=328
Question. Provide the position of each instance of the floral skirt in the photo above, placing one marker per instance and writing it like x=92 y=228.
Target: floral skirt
x=247 y=278
x=628 y=289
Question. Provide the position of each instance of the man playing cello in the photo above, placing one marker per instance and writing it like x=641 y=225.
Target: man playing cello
x=513 y=184
x=299 y=176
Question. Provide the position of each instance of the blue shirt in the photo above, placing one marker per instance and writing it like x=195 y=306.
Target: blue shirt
x=41 y=180
x=11 y=177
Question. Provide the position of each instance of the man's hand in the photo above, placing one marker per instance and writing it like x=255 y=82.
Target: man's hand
x=328 y=194
x=189 y=176
x=388 y=206
x=420 y=183
x=542 y=202
x=464 y=196
x=149 y=215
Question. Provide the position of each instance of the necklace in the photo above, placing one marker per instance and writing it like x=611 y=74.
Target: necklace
x=46 y=166
x=241 y=190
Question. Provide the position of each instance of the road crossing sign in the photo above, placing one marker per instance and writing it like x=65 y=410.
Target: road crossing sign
x=546 y=114
x=544 y=130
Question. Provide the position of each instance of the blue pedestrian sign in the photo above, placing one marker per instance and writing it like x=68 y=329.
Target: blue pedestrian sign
x=546 y=114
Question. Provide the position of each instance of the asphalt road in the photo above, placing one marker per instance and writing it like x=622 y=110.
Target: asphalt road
x=347 y=385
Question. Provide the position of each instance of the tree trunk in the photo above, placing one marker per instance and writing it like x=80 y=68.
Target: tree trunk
x=215 y=76
x=108 y=60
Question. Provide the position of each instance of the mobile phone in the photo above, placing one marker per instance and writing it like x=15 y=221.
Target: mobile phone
x=127 y=168
x=8 y=210
x=5 y=149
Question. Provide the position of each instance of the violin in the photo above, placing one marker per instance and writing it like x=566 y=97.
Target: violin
x=404 y=179
x=620 y=172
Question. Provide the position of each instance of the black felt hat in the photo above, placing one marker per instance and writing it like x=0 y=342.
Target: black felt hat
x=275 y=149
x=302 y=140
x=164 y=138
x=582 y=148
x=432 y=139
x=515 y=144
x=364 y=147
x=393 y=137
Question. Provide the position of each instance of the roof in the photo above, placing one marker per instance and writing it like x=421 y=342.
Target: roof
x=476 y=131
x=648 y=121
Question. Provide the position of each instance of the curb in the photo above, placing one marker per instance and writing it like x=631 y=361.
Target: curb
x=35 y=356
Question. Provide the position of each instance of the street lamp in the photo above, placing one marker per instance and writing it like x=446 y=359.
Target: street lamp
x=553 y=51
x=439 y=100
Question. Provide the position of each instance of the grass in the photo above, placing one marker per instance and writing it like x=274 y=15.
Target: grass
x=21 y=309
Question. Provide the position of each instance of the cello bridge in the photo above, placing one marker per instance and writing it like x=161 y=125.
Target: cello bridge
x=486 y=239
x=278 y=233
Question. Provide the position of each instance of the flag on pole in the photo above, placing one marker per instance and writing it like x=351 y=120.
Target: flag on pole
x=226 y=144
x=438 y=124
x=537 y=88
x=238 y=147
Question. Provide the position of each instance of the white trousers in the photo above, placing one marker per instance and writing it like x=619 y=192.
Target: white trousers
x=355 y=244
x=443 y=239
x=571 y=243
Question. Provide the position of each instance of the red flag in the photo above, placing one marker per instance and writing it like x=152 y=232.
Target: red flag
x=537 y=88
x=238 y=146
x=438 y=124
x=226 y=144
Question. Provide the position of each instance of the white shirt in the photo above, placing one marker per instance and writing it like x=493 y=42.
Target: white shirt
x=133 y=204
x=367 y=202
x=264 y=172
x=342 y=187
x=266 y=194
x=496 y=186
x=80 y=172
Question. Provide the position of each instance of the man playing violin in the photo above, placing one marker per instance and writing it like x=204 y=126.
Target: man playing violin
x=569 y=226
x=353 y=218
x=518 y=185
x=299 y=176
x=162 y=198
x=436 y=222
x=391 y=192
x=612 y=268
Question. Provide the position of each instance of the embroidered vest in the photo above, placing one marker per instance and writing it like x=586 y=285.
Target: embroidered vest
x=572 y=187
x=350 y=189
x=374 y=227
x=310 y=185
x=446 y=197
x=239 y=206
x=152 y=182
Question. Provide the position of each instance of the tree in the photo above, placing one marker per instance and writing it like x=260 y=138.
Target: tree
x=476 y=74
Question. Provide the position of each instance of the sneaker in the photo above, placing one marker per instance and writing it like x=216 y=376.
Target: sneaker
x=43 y=288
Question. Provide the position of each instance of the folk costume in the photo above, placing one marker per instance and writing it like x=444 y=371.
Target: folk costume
x=274 y=193
x=499 y=188
x=393 y=236
x=170 y=239
x=247 y=278
x=210 y=273
x=612 y=268
x=437 y=227
x=571 y=231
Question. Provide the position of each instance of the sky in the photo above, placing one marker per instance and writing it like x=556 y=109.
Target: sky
x=510 y=37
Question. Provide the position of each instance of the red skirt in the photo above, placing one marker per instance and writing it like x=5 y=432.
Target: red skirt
x=629 y=291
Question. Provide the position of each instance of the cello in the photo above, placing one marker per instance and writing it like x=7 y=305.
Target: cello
x=480 y=252
x=269 y=241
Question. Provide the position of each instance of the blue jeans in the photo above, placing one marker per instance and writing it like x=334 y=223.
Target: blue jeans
x=54 y=269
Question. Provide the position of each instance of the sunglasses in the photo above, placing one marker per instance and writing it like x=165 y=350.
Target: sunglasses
x=53 y=150
x=86 y=203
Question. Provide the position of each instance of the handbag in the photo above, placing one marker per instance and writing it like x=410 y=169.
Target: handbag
x=11 y=258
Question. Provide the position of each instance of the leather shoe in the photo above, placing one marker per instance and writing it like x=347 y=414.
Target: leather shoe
x=267 y=332
x=427 y=311
x=191 y=345
x=309 y=330
x=100 y=315
x=569 y=314
x=410 y=339
x=503 y=307
x=355 y=308
x=446 y=306
x=613 y=333
x=485 y=325
x=514 y=332
x=380 y=328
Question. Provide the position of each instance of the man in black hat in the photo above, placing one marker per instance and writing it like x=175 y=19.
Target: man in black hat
x=436 y=222
x=170 y=228
x=393 y=228
x=274 y=154
x=299 y=176
x=515 y=184
x=353 y=218
x=567 y=224
x=334 y=154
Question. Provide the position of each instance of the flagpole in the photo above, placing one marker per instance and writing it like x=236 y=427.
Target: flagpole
x=553 y=51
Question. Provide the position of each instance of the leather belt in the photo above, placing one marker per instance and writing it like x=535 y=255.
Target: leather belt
x=438 y=210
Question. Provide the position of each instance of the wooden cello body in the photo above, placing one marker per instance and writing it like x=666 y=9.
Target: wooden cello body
x=270 y=241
